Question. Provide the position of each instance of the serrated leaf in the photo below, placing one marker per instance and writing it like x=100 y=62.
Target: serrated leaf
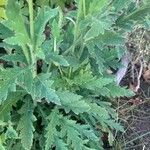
x=57 y=59
x=5 y=32
x=42 y=89
x=97 y=6
x=25 y=125
x=99 y=111
x=102 y=116
x=111 y=38
x=8 y=81
x=121 y=91
x=60 y=144
x=15 y=23
x=120 y=4
x=97 y=27
x=73 y=138
x=42 y=2
x=97 y=83
x=14 y=58
x=12 y=77
x=44 y=15
x=78 y=135
x=115 y=125
x=6 y=106
x=15 y=40
x=25 y=80
x=74 y=102
x=11 y=133
x=138 y=15
x=51 y=129
x=83 y=78
x=55 y=29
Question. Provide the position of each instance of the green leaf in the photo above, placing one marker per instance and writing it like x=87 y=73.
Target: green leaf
x=120 y=4
x=55 y=29
x=99 y=111
x=78 y=135
x=6 y=106
x=15 y=23
x=98 y=27
x=60 y=144
x=97 y=83
x=57 y=59
x=25 y=125
x=42 y=2
x=42 y=89
x=25 y=80
x=1 y=143
x=8 y=81
x=121 y=91
x=74 y=102
x=97 y=6
x=73 y=138
x=83 y=78
x=11 y=133
x=14 y=58
x=5 y=32
x=51 y=130
x=44 y=15
x=12 y=77
x=138 y=15
x=103 y=117
x=111 y=38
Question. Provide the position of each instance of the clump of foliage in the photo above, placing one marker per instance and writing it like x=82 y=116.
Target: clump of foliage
x=55 y=88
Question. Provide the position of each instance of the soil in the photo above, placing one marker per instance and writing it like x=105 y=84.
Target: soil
x=136 y=115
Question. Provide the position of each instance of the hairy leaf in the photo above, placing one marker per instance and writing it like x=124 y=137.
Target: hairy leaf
x=44 y=15
x=6 y=106
x=25 y=125
x=42 y=89
x=16 y=24
x=74 y=102
x=51 y=130
x=60 y=144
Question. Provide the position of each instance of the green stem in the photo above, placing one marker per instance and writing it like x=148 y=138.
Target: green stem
x=60 y=22
x=26 y=53
x=84 y=8
x=30 y=2
x=48 y=68
x=70 y=72
x=55 y=44
x=31 y=19
x=60 y=71
x=79 y=14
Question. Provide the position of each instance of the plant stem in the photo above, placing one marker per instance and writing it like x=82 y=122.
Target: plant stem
x=70 y=72
x=55 y=44
x=31 y=19
x=60 y=22
x=26 y=53
x=84 y=8
x=30 y=2
x=60 y=71
x=76 y=30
